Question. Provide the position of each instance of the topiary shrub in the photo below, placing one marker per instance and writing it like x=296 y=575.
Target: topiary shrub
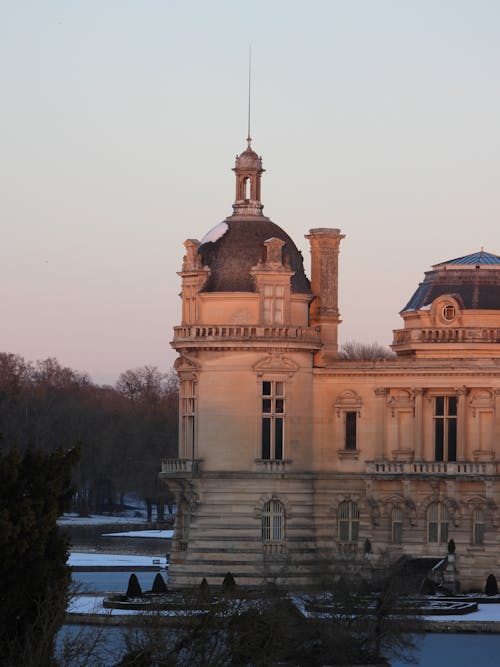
x=159 y=585
x=451 y=546
x=491 y=587
x=204 y=589
x=134 y=589
x=367 y=547
x=228 y=583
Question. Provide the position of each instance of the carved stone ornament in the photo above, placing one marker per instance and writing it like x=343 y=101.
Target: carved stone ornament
x=373 y=508
x=276 y=363
x=481 y=400
x=186 y=367
x=348 y=401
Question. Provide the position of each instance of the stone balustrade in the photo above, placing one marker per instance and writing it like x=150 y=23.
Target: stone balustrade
x=272 y=465
x=236 y=332
x=430 y=468
x=447 y=335
x=179 y=466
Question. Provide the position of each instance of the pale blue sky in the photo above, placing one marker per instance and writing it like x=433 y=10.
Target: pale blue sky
x=120 y=122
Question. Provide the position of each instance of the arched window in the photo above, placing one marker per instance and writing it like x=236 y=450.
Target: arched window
x=273 y=522
x=348 y=518
x=478 y=527
x=437 y=523
x=397 y=525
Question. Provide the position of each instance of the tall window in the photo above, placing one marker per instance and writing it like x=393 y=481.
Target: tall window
x=397 y=525
x=273 y=419
x=350 y=430
x=274 y=304
x=188 y=399
x=273 y=522
x=445 y=428
x=348 y=518
x=478 y=527
x=437 y=523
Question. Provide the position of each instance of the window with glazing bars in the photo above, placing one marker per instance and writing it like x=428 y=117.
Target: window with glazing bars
x=397 y=525
x=274 y=304
x=273 y=419
x=478 y=527
x=188 y=404
x=273 y=522
x=348 y=521
x=445 y=428
x=437 y=523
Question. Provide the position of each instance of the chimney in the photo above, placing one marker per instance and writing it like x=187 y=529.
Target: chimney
x=324 y=311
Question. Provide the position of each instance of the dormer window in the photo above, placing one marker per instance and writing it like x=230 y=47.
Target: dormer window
x=274 y=304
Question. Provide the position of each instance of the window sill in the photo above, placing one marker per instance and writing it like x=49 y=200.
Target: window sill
x=348 y=454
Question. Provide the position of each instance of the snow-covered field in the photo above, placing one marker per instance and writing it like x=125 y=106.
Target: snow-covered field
x=88 y=604
x=98 y=520
x=160 y=534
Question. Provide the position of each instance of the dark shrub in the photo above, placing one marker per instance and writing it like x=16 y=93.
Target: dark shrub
x=204 y=589
x=159 y=585
x=134 y=587
x=491 y=587
x=451 y=546
x=228 y=584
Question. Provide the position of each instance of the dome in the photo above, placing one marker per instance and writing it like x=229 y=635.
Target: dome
x=240 y=247
x=474 y=280
x=248 y=160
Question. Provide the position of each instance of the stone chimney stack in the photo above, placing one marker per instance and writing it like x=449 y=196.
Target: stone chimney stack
x=324 y=312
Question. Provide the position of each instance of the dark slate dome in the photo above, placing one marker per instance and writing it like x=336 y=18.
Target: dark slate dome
x=238 y=247
x=474 y=280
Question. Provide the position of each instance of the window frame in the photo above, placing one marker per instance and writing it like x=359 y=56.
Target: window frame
x=273 y=522
x=478 y=526
x=273 y=417
x=439 y=524
x=397 y=524
x=445 y=427
x=348 y=522
x=187 y=392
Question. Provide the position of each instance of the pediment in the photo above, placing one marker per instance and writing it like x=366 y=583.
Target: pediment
x=275 y=363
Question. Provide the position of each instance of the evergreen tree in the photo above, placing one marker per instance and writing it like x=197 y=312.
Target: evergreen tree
x=34 y=491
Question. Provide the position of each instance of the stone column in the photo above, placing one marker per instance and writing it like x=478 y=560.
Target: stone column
x=324 y=284
x=418 y=394
x=462 y=453
x=380 y=434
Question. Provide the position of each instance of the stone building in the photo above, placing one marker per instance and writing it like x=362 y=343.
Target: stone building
x=289 y=456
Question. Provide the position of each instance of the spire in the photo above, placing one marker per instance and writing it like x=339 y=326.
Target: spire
x=248 y=168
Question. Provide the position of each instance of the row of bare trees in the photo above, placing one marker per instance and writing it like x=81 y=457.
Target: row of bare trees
x=123 y=431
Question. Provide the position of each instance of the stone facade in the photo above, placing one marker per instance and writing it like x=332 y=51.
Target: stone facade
x=290 y=457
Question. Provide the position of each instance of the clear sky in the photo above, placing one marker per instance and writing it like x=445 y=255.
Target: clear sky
x=120 y=121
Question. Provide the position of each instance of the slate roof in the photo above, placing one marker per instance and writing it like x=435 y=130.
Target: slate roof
x=475 y=258
x=234 y=254
x=472 y=287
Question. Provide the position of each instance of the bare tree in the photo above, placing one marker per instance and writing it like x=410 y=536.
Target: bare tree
x=356 y=351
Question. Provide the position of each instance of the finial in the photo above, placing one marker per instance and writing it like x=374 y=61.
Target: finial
x=249 y=138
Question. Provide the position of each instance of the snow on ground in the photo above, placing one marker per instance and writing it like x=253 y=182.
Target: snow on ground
x=75 y=520
x=163 y=534
x=78 y=559
x=485 y=612
x=90 y=604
